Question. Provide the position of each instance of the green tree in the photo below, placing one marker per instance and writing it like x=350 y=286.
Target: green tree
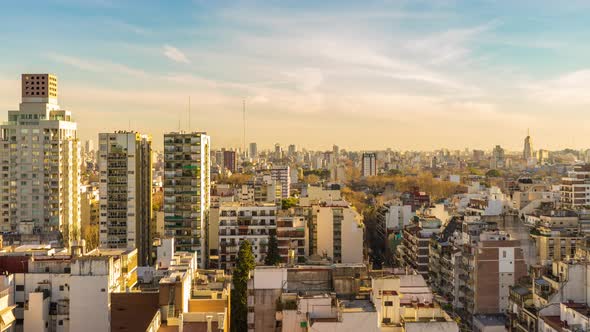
x=493 y=173
x=287 y=203
x=272 y=255
x=245 y=263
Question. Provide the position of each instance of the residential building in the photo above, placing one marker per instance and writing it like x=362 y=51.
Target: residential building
x=337 y=232
x=369 y=164
x=415 y=248
x=40 y=171
x=253 y=151
x=292 y=238
x=488 y=268
x=126 y=192
x=282 y=175
x=229 y=161
x=187 y=189
x=238 y=222
x=575 y=187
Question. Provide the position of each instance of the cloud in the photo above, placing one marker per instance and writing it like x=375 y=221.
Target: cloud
x=568 y=89
x=175 y=54
x=306 y=79
x=96 y=65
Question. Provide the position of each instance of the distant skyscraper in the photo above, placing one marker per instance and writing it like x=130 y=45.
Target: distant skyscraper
x=292 y=150
x=187 y=189
x=278 y=151
x=40 y=187
x=498 y=159
x=126 y=192
x=369 y=164
x=527 y=153
x=89 y=146
x=229 y=160
x=253 y=152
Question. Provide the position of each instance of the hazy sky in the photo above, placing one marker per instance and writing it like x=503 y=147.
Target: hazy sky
x=362 y=74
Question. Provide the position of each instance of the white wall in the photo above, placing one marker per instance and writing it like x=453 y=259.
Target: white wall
x=90 y=304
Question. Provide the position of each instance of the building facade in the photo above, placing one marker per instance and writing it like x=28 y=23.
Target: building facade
x=40 y=171
x=187 y=188
x=369 y=164
x=126 y=192
x=241 y=222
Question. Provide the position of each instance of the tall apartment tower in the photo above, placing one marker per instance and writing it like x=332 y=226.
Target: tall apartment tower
x=187 y=189
x=527 y=152
x=282 y=176
x=369 y=164
x=229 y=161
x=125 y=164
x=253 y=151
x=40 y=170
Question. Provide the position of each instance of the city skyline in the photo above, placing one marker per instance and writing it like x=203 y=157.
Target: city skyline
x=405 y=75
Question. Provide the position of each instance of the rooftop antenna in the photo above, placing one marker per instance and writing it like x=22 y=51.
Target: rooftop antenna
x=244 y=133
x=189 y=114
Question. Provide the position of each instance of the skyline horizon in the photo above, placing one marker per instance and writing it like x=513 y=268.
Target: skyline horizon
x=416 y=75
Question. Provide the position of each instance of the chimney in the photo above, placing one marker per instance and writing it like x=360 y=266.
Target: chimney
x=209 y=320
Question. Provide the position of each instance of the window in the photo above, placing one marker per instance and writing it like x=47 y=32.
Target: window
x=388 y=303
x=61 y=288
x=60 y=323
x=20 y=288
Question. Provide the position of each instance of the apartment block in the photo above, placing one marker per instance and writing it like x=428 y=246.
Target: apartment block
x=369 y=164
x=575 y=187
x=488 y=269
x=187 y=189
x=282 y=175
x=337 y=232
x=292 y=238
x=241 y=222
x=126 y=192
x=40 y=172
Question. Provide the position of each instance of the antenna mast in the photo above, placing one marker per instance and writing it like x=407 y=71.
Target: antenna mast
x=244 y=118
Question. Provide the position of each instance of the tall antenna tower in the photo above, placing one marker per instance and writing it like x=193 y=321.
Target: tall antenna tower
x=189 y=114
x=244 y=133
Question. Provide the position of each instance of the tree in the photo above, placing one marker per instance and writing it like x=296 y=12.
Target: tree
x=493 y=173
x=245 y=263
x=287 y=203
x=272 y=255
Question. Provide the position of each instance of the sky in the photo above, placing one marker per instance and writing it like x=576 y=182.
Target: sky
x=409 y=75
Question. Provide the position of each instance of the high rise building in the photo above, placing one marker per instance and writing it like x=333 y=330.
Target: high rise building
x=498 y=158
x=89 y=146
x=369 y=164
x=126 y=192
x=527 y=153
x=282 y=175
x=253 y=152
x=39 y=148
x=229 y=160
x=278 y=151
x=292 y=150
x=336 y=151
x=187 y=189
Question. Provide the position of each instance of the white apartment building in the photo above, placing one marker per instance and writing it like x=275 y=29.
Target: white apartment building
x=60 y=293
x=575 y=188
x=337 y=232
x=282 y=175
x=369 y=164
x=40 y=170
x=239 y=222
x=187 y=188
x=125 y=187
